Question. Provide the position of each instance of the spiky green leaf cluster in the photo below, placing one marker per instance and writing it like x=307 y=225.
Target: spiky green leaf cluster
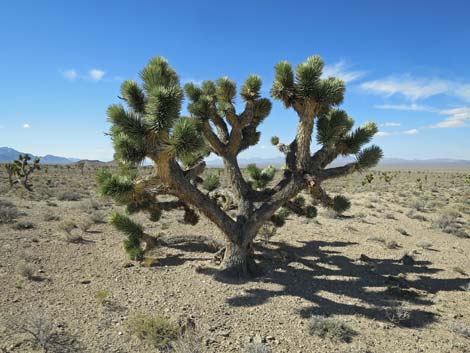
x=340 y=204
x=211 y=182
x=118 y=187
x=132 y=230
x=369 y=157
x=251 y=88
x=133 y=95
x=306 y=86
x=186 y=139
x=259 y=178
x=333 y=126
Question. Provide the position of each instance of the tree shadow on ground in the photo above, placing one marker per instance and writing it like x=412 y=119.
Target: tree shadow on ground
x=370 y=285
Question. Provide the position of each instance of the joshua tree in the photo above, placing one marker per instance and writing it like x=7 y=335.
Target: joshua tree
x=21 y=169
x=152 y=127
x=11 y=169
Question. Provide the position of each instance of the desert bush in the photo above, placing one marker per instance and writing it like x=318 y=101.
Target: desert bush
x=211 y=182
x=255 y=348
x=397 y=316
x=413 y=215
x=39 y=331
x=67 y=227
x=97 y=217
x=90 y=206
x=21 y=225
x=266 y=232
x=51 y=217
x=459 y=329
x=466 y=287
x=190 y=342
x=25 y=269
x=403 y=231
x=8 y=212
x=391 y=244
x=157 y=331
x=340 y=204
x=459 y=270
x=85 y=224
x=69 y=196
x=329 y=328
x=418 y=205
x=102 y=297
x=424 y=244
x=377 y=239
x=448 y=222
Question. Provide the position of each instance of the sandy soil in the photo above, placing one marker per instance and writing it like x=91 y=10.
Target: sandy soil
x=337 y=267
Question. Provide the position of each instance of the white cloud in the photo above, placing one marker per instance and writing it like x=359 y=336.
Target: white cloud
x=96 y=74
x=457 y=117
x=340 y=70
x=413 y=107
x=411 y=132
x=26 y=126
x=407 y=86
x=391 y=124
x=382 y=134
x=70 y=74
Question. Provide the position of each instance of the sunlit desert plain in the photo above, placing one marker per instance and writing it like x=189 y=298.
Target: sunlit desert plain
x=391 y=274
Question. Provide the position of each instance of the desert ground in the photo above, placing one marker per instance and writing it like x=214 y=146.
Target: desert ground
x=394 y=269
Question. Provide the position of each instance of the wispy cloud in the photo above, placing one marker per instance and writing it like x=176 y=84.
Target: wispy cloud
x=457 y=117
x=411 y=132
x=70 y=74
x=96 y=74
x=382 y=134
x=26 y=126
x=412 y=107
x=415 y=89
x=341 y=70
x=390 y=124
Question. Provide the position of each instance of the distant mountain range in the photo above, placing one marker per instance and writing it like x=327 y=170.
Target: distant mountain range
x=9 y=154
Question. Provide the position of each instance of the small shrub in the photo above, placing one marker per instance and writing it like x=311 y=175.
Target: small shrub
x=255 y=348
x=418 y=205
x=329 y=328
x=85 y=224
x=377 y=239
x=67 y=227
x=211 y=182
x=39 y=330
x=22 y=225
x=403 y=231
x=266 y=232
x=459 y=270
x=413 y=215
x=51 y=217
x=69 y=196
x=340 y=204
x=8 y=212
x=157 y=331
x=459 y=329
x=447 y=221
x=424 y=244
x=102 y=297
x=391 y=244
x=190 y=342
x=466 y=287
x=25 y=270
x=397 y=316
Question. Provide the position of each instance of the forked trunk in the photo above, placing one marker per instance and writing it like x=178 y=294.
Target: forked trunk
x=238 y=260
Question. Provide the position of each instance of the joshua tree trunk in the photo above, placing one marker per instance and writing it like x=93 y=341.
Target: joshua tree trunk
x=239 y=259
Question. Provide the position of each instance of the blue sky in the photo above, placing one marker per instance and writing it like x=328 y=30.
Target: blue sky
x=406 y=65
